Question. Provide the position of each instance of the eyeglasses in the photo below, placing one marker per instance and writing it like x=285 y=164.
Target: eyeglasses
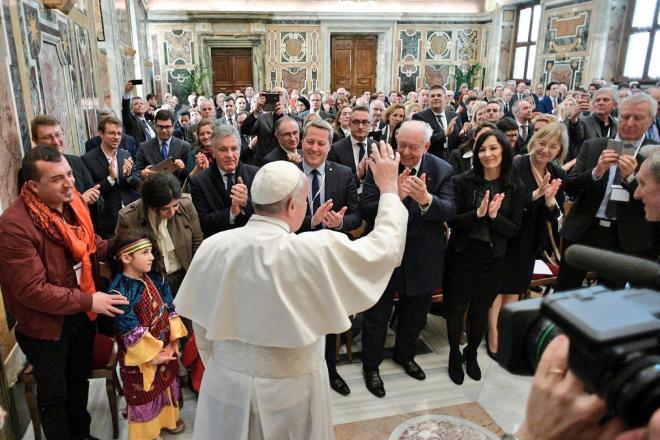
x=163 y=127
x=358 y=122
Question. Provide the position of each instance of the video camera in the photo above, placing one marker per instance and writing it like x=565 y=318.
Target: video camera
x=614 y=334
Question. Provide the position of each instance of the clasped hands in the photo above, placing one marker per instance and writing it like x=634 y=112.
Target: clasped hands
x=329 y=218
x=547 y=188
x=239 y=197
x=413 y=187
x=491 y=208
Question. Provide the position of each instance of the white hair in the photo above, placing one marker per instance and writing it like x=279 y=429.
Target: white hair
x=417 y=125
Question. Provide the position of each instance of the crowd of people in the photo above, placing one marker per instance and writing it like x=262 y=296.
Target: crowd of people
x=265 y=228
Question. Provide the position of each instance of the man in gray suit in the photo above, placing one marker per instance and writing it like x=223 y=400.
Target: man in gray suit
x=229 y=113
x=164 y=145
x=599 y=124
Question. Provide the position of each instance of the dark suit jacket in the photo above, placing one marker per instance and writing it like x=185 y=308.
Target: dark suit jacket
x=506 y=224
x=522 y=143
x=341 y=152
x=587 y=127
x=122 y=193
x=439 y=137
x=127 y=143
x=212 y=201
x=339 y=185
x=421 y=269
x=278 y=154
x=132 y=124
x=263 y=128
x=635 y=234
x=149 y=154
x=507 y=108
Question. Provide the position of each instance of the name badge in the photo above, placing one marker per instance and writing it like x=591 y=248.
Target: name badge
x=619 y=194
x=77 y=268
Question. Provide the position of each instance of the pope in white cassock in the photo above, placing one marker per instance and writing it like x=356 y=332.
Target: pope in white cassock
x=262 y=299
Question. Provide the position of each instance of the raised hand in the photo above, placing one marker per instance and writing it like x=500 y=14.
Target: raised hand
x=416 y=188
x=127 y=167
x=607 y=158
x=540 y=191
x=494 y=205
x=334 y=220
x=384 y=166
x=320 y=213
x=482 y=210
x=91 y=195
x=627 y=165
x=550 y=191
x=401 y=183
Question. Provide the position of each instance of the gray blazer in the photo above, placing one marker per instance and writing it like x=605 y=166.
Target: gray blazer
x=149 y=154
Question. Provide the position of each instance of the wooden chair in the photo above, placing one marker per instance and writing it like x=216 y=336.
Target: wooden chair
x=104 y=365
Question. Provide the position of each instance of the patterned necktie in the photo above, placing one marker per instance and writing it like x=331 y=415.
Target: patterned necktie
x=316 y=196
x=164 y=150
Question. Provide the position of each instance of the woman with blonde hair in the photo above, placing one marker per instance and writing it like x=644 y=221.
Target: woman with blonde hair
x=394 y=115
x=542 y=178
x=411 y=108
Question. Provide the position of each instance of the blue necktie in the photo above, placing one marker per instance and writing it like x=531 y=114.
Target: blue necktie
x=316 y=196
x=164 y=150
x=230 y=182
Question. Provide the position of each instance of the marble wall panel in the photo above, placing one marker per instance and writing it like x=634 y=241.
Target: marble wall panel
x=89 y=99
x=427 y=54
x=506 y=43
x=566 y=42
x=178 y=47
x=123 y=21
x=17 y=88
x=293 y=56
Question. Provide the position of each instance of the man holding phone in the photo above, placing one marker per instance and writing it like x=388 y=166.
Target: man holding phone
x=261 y=122
x=600 y=124
x=133 y=109
x=603 y=180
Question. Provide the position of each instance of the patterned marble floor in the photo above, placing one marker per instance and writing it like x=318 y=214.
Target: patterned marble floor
x=499 y=393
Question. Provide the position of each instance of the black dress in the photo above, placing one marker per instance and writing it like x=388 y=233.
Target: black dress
x=532 y=239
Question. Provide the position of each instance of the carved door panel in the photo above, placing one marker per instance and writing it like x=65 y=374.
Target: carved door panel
x=232 y=69
x=353 y=62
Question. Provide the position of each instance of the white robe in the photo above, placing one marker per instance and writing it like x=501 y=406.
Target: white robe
x=261 y=299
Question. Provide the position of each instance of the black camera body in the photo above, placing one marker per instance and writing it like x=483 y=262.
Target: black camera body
x=615 y=343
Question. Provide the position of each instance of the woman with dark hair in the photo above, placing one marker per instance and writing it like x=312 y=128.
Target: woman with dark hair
x=489 y=202
x=461 y=158
x=542 y=179
x=172 y=221
x=341 y=126
x=200 y=155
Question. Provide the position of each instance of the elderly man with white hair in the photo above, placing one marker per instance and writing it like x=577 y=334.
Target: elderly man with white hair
x=603 y=182
x=262 y=299
x=426 y=190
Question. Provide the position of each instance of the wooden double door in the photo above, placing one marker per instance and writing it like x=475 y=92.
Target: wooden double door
x=353 y=59
x=232 y=69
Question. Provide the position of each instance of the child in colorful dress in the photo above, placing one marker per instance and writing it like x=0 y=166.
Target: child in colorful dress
x=148 y=334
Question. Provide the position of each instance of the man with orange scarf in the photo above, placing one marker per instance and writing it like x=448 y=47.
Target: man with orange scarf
x=48 y=277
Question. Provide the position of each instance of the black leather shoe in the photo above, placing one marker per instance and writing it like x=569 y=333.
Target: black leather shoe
x=455 y=367
x=374 y=383
x=471 y=365
x=412 y=368
x=338 y=384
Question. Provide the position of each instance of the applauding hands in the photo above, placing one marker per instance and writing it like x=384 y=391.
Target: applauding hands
x=490 y=207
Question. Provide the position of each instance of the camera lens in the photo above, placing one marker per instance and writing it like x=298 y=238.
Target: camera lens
x=538 y=339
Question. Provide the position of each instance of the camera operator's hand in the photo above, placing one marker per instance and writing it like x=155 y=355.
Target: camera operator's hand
x=649 y=432
x=558 y=407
